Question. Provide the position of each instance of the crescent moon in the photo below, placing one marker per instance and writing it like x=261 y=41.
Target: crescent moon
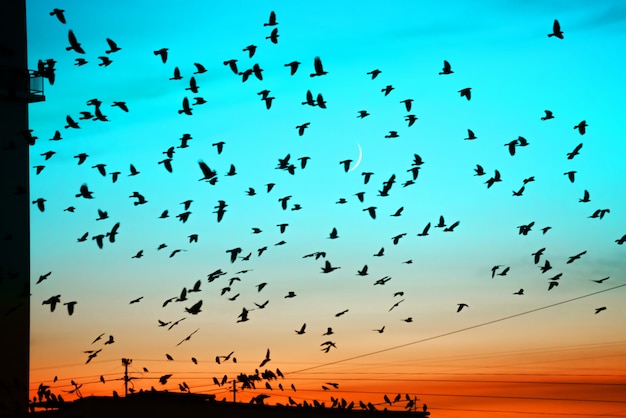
x=357 y=161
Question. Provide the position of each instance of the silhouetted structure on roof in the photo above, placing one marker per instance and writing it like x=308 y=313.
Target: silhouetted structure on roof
x=159 y=404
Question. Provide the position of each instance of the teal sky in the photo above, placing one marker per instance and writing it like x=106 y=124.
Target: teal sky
x=500 y=49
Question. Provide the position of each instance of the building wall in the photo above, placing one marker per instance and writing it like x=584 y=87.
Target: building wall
x=14 y=210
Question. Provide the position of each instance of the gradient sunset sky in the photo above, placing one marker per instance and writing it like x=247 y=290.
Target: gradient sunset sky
x=547 y=351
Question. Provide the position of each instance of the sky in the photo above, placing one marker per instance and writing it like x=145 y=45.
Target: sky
x=431 y=317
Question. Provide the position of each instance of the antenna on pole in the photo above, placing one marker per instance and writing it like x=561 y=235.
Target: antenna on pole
x=234 y=391
x=125 y=363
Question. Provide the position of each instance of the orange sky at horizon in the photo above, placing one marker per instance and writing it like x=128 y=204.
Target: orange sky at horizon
x=578 y=379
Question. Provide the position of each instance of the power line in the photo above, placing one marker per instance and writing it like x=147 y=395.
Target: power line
x=496 y=411
x=384 y=350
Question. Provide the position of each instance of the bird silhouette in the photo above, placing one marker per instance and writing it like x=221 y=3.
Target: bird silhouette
x=575 y=151
x=273 y=36
x=251 y=50
x=52 y=301
x=195 y=308
x=576 y=257
x=186 y=108
x=112 y=46
x=451 y=227
x=74 y=44
x=302 y=127
x=396 y=239
x=266 y=359
x=85 y=192
x=293 y=66
x=176 y=75
x=447 y=69
x=200 y=69
x=585 y=197
x=60 y=15
x=556 y=30
x=162 y=53
x=328 y=268
x=582 y=127
x=570 y=175
x=271 y=20
x=318 y=67
x=466 y=92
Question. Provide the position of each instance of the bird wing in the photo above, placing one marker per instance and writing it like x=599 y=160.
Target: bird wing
x=319 y=68
x=112 y=44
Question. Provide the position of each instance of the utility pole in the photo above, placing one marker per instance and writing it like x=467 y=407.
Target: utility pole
x=126 y=362
x=234 y=391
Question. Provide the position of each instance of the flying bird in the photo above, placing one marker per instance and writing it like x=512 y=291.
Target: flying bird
x=273 y=36
x=84 y=192
x=466 y=92
x=200 y=69
x=582 y=127
x=575 y=151
x=74 y=44
x=556 y=30
x=59 y=13
x=186 y=108
x=319 y=68
x=447 y=69
x=112 y=46
x=266 y=359
x=272 y=20
x=374 y=73
x=251 y=50
x=162 y=53
x=293 y=66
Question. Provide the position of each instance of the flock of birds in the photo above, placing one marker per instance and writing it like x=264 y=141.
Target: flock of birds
x=189 y=296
